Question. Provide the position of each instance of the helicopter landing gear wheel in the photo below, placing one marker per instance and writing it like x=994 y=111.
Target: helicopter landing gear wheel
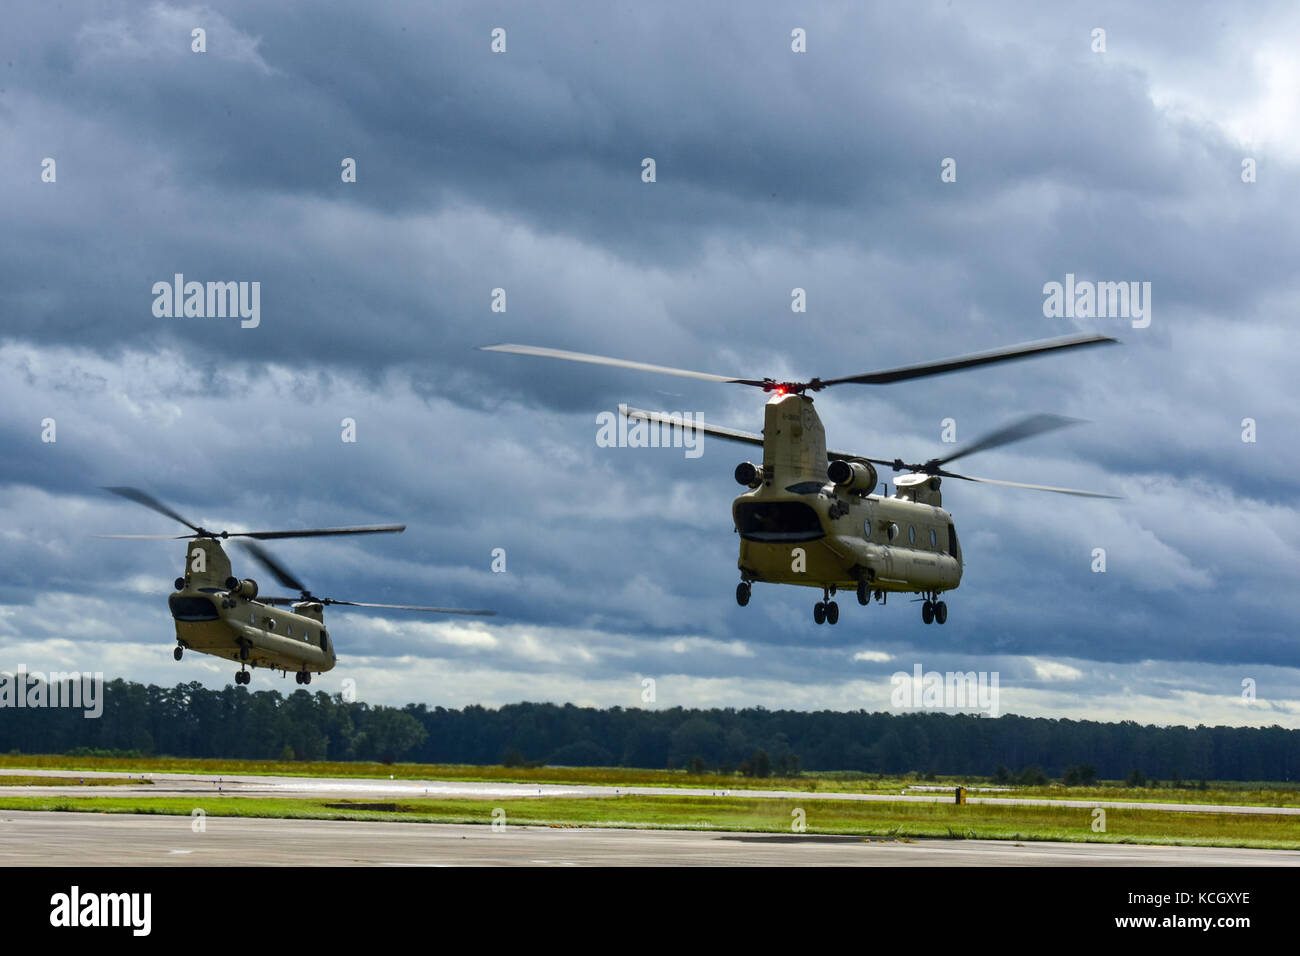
x=742 y=593
x=927 y=611
x=864 y=593
x=178 y=652
x=242 y=677
x=941 y=611
x=306 y=677
x=832 y=612
x=819 y=612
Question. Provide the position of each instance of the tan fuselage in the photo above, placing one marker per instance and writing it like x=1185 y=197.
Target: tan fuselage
x=797 y=527
x=214 y=619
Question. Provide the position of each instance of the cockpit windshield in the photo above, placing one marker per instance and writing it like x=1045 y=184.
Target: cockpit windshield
x=192 y=609
x=777 y=521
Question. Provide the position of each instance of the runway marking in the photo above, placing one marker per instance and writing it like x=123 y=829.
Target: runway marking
x=401 y=863
x=345 y=788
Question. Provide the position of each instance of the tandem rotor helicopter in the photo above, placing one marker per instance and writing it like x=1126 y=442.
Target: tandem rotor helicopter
x=219 y=614
x=823 y=503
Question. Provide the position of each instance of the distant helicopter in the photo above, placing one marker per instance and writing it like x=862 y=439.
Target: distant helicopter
x=819 y=525
x=219 y=614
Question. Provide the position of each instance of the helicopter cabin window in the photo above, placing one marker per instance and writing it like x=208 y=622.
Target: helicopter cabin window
x=911 y=534
x=288 y=629
x=934 y=541
x=866 y=528
x=893 y=531
x=777 y=521
x=270 y=624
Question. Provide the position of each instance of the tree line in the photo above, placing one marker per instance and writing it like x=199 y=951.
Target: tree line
x=190 y=720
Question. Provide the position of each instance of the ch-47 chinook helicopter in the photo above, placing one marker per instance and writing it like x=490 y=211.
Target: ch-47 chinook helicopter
x=820 y=525
x=219 y=614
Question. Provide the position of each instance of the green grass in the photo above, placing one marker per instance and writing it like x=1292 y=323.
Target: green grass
x=15 y=780
x=1238 y=793
x=869 y=820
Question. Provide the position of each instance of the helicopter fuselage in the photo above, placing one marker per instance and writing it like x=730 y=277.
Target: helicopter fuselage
x=798 y=527
x=214 y=618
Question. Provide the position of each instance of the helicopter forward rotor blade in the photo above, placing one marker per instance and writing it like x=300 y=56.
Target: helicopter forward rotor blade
x=281 y=573
x=617 y=363
x=717 y=431
x=721 y=431
x=1026 y=427
x=1021 y=484
x=1009 y=354
x=150 y=537
x=149 y=501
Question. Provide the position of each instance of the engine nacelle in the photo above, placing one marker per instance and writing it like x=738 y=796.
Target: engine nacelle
x=246 y=588
x=858 y=477
x=749 y=474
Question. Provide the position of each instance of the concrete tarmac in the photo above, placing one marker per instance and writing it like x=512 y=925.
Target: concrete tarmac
x=108 y=840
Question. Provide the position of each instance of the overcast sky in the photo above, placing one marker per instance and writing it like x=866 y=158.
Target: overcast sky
x=775 y=170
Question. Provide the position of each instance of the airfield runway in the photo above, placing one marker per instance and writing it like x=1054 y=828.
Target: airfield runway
x=92 y=839
x=363 y=788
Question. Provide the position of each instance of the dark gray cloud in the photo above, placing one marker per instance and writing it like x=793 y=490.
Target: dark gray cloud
x=775 y=170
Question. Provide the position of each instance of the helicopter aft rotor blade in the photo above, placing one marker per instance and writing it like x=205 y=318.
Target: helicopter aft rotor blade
x=395 y=607
x=287 y=578
x=1026 y=427
x=280 y=572
x=1021 y=484
x=414 y=607
x=316 y=532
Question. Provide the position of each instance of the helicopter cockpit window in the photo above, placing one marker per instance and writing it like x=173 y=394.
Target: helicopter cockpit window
x=777 y=521
x=192 y=609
